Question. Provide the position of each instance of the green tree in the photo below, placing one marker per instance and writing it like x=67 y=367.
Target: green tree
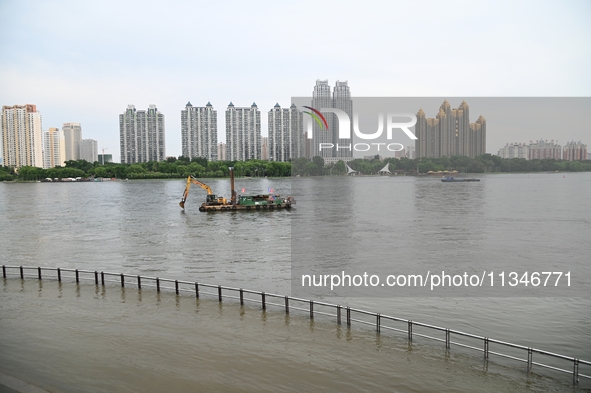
x=339 y=168
x=30 y=173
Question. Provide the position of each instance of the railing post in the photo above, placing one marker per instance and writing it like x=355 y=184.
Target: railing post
x=263 y=300
x=241 y=297
x=529 y=359
x=287 y=305
x=447 y=340
x=77 y=277
x=95 y=277
x=39 y=272
x=22 y=273
x=59 y=275
x=409 y=330
x=338 y=315
x=378 y=322
x=576 y=372
x=220 y=293
x=139 y=282
x=348 y=316
x=3 y=271
x=176 y=286
x=311 y=309
x=122 y=280
x=486 y=348
x=197 y=290
x=157 y=284
x=103 y=278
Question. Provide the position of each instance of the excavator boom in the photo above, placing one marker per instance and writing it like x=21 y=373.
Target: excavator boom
x=190 y=180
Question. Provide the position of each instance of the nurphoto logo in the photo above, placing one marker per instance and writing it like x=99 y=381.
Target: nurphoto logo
x=345 y=129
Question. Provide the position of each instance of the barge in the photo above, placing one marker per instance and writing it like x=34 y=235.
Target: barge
x=451 y=179
x=215 y=203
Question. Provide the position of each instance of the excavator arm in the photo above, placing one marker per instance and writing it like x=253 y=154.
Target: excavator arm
x=190 y=180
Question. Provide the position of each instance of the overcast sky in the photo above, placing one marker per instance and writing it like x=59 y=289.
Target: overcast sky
x=85 y=61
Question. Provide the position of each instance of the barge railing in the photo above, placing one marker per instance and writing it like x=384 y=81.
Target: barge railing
x=342 y=314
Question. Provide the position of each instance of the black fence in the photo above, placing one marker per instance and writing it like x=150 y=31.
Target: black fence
x=343 y=315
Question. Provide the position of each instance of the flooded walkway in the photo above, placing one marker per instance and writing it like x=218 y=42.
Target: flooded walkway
x=81 y=338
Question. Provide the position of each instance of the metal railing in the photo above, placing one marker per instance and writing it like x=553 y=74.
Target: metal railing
x=342 y=314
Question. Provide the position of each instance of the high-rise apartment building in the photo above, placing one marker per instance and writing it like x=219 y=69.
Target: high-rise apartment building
x=321 y=98
x=54 y=149
x=243 y=133
x=141 y=135
x=514 y=150
x=450 y=133
x=89 y=150
x=221 y=151
x=341 y=99
x=575 y=151
x=22 y=136
x=285 y=133
x=72 y=136
x=199 y=132
x=543 y=149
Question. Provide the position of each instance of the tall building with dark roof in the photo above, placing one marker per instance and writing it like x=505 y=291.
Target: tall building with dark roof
x=141 y=134
x=199 y=132
x=285 y=133
x=243 y=133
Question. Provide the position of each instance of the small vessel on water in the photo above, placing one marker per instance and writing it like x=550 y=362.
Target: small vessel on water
x=451 y=179
x=236 y=202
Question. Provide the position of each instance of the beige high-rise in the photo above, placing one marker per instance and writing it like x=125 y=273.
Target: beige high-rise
x=55 y=148
x=450 y=133
x=22 y=136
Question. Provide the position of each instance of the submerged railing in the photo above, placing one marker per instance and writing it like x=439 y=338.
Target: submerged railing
x=342 y=314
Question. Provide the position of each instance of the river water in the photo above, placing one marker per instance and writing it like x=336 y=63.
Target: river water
x=79 y=338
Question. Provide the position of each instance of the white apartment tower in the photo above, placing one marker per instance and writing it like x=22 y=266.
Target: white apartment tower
x=515 y=150
x=285 y=133
x=73 y=136
x=54 y=152
x=22 y=136
x=141 y=135
x=89 y=150
x=243 y=133
x=199 y=132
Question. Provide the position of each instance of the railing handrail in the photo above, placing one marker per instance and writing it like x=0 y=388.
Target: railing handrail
x=311 y=303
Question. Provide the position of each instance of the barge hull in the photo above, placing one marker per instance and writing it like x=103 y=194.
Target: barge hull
x=229 y=208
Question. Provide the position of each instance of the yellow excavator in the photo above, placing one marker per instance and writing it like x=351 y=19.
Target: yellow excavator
x=210 y=200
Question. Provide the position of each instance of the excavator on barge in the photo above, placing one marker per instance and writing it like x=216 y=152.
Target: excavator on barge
x=236 y=202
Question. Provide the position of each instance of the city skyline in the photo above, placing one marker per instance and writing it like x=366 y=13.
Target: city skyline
x=87 y=77
x=508 y=112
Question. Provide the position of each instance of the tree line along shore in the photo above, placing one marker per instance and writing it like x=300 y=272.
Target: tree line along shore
x=182 y=167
